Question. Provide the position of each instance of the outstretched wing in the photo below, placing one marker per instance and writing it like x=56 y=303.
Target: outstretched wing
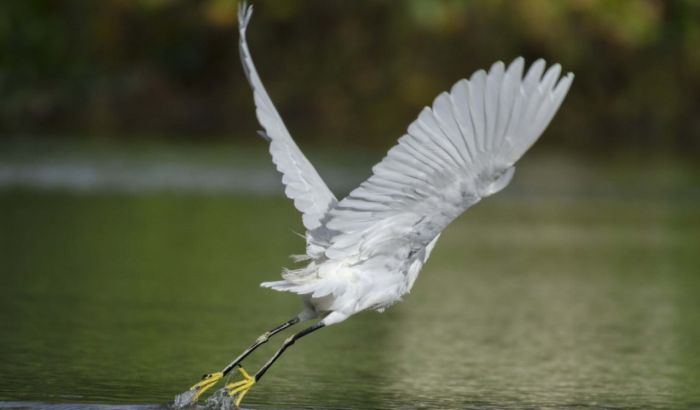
x=302 y=183
x=457 y=152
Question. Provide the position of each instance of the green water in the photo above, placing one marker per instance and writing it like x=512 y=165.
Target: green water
x=529 y=301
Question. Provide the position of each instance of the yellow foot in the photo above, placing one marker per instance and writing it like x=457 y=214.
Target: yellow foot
x=208 y=380
x=240 y=387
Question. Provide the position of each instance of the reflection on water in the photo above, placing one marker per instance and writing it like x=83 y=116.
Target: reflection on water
x=529 y=301
x=28 y=405
x=220 y=168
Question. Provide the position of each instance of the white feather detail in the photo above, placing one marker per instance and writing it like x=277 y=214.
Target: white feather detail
x=366 y=250
x=302 y=183
x=458 y=151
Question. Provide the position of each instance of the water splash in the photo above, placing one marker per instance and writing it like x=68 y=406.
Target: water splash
x=219 y=400
x=185 y=400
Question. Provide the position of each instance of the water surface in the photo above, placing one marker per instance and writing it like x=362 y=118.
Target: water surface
x=573 y=294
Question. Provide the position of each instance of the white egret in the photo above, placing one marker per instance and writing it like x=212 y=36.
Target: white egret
x=364 y=252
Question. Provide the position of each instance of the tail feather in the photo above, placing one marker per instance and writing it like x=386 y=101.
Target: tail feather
x=280 y=285
x=316 y=289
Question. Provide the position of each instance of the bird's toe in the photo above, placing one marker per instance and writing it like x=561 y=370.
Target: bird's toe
x=237 y=390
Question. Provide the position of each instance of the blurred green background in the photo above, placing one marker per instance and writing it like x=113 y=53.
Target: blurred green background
x=343 y=73
x=139 y=210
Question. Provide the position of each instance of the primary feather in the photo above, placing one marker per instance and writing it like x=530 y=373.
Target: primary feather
x=302 y=183
x=365 y=251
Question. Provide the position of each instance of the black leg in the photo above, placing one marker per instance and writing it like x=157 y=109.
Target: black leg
x=290 y=341
x=208 y=380
x=259 y=341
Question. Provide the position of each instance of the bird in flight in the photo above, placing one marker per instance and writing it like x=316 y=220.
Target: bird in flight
x=365 y=251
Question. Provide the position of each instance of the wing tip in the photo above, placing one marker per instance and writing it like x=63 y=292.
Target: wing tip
x=245 y=12
x=497 y=66
x=563 y=85
x=478 y=75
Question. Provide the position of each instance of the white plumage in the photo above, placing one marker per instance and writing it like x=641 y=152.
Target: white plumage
x=365 y=251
